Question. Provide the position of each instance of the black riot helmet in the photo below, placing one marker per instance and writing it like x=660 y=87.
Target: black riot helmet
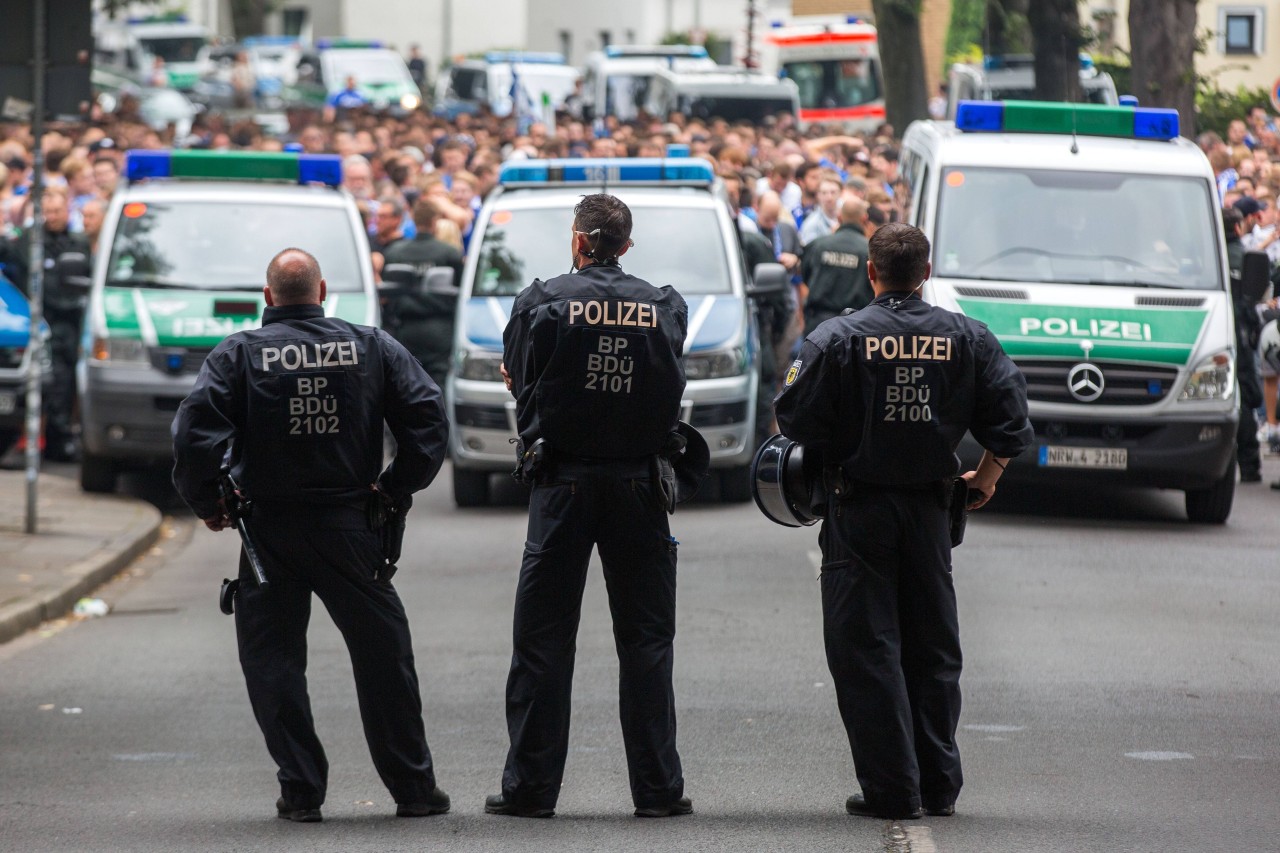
x=787 y=487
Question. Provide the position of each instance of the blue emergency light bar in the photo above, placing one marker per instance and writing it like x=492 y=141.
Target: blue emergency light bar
x=348 y=44
x=1083 y=119
x=264 y=41
x=678 y=51
x=526 y=57
x=677 y=149
x=673 y=171
x=234 y=166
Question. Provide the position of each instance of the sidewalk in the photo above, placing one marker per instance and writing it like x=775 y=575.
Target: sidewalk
x=81 y=542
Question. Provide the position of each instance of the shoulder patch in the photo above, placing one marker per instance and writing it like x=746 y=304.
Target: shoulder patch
x=794 y=371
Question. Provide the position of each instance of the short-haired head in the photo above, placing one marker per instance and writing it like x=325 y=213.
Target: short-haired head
x=607 y=223
x=425 y=214
x=900 y=254
x=293 y=278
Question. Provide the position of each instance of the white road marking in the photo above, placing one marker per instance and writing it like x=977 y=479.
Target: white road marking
x=993 y=728
x=146 y=328
x=1160 y=756
x=496 y=312
x=331 y=305
x=695 y=322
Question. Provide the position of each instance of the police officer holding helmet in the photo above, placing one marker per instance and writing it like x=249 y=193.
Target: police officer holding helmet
x=298 y=407
x=884 y=395
x=593 y=359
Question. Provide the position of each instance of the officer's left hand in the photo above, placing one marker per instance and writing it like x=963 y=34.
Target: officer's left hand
x=506 y=377
x=221 y=521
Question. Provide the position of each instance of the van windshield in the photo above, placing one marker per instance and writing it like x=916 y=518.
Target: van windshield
x=682 y=247
x=1095 y=228
x=174 y=48
x=829 y=83
x=217 y=246
x=731 y=108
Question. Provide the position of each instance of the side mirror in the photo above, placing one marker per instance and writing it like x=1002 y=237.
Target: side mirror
x=439 y=280
x=75 y=272
x=1255 y=276
x=767 y=280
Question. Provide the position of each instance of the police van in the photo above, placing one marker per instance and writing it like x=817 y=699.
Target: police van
x=733 y=94
x=684 y=237
x=1053 y=224
x=16 y=360
x=181 y=265
x=1013 y=78
x=506 y=83
x=616 y=80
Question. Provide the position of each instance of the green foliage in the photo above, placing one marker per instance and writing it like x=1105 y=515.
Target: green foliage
x=1216 y=108
x=719 y=48
x=965 y=32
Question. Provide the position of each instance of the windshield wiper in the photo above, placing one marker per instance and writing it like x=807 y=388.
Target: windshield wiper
x=1108 y=282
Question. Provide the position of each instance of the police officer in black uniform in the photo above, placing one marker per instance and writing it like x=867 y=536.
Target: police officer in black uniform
x=297 y=407
x=884 y=395
x=834 y=267
x=63 y=308
x=1248 y=329
x=593 y=359
x=423 y=321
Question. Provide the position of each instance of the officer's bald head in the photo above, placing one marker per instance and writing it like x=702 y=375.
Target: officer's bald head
x=293 y=278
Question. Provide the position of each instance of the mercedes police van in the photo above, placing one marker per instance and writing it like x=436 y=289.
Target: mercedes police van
x=506 y=82
x=684 y=237
x=1013 y=78
x=733 y=94
x=1089 y=239
x=181 y=265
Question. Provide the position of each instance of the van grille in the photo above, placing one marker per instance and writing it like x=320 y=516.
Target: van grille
x=1125 y=384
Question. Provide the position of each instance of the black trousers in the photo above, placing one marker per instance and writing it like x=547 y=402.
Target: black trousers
x=60 y=393
x=893 y=644
x=608 y=506
x=302 y=556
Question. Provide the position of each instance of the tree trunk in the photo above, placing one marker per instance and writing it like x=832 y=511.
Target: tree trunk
x=1056 y=38
x=249 y=17
x=1162 y=38
x=902 y=60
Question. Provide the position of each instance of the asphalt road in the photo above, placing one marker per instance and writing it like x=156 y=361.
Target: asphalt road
x=1121 y=694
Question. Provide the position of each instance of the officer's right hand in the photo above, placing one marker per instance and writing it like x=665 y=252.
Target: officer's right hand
x=506 y=377
x=984 y=490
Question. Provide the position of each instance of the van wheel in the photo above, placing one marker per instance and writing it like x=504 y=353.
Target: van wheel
x=97 y=474
x=735 y=485
x=470 y=488
x=1212 y=505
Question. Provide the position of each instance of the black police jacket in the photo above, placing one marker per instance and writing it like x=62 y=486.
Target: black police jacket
x=58 y=301
x=300 y=404
x=423 y=322
x=834 y=268
x=594 y=359
x=889 y=391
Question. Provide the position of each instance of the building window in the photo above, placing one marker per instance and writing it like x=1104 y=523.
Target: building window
x=606 y=38
x=566 y=45
x=1240 y=30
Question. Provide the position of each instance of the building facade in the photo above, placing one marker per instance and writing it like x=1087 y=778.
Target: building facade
x=1242 y=48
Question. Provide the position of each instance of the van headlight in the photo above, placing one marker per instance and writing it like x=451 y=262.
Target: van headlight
x=480 y=366
x=410 y=101
x=129 y=351
x=717 y=364
x=1214 y=378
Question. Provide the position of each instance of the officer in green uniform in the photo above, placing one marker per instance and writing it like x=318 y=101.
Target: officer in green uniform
x=423 y=322
x=834 y=267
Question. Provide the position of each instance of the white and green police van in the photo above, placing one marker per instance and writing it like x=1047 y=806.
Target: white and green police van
x=684 y=237
x=1089 y=239
x=181 y=265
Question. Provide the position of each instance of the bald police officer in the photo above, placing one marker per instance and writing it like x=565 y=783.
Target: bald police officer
x=299 y=406
x=884 y=395
x=593 y=359
x=834 y=267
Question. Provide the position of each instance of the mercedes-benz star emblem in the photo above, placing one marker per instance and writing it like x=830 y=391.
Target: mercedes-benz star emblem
x=1085 y=382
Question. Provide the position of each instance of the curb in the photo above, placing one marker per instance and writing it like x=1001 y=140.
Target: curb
x=91 y=572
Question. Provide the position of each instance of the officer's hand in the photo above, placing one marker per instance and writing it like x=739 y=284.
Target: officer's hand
x=218 y=523
x=788 y=260
x=984 y=489
x=506 y=377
